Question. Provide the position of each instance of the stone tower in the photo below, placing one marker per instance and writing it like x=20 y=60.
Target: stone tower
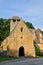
x=14 y=21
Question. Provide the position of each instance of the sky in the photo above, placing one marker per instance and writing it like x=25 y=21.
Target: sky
x=28 y=10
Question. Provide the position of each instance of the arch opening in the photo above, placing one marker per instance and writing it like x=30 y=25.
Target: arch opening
x=21 y=51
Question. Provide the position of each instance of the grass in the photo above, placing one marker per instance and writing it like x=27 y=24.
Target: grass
x=4 y=58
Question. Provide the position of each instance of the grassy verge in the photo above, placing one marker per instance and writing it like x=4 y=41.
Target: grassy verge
x=4 y=58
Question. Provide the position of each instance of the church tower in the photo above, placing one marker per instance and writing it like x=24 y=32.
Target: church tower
x=14 y=21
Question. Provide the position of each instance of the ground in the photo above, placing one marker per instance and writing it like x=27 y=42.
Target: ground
x=24 y=61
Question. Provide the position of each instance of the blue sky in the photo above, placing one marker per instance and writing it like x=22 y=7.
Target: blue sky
x=28 y=10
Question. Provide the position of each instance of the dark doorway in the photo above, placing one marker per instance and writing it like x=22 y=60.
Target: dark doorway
x=21 y=51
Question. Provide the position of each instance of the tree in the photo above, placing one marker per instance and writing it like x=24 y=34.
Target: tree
x=29 y=25
x=1 y=29
x=4 y=28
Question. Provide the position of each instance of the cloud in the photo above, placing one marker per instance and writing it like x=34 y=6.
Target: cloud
x=31 y=10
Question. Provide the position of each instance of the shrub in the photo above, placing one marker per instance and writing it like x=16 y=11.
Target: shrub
x=38 y=51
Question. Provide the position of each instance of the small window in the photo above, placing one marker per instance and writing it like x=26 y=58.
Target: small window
x=14 y=20
x=21 y=29
x=21 y=37
x=18 y=20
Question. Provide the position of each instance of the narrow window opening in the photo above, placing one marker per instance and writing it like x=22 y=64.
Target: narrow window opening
x=21 y=37
x=14 y=20
x=21 y=29
x=18 y=20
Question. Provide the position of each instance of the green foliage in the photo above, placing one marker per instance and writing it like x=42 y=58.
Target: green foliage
x=4 y=58
x=29 y=25
x=38 y=51
x=42 y=32
x=4 y=28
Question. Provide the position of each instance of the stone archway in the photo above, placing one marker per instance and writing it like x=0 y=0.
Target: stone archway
x=21 y=51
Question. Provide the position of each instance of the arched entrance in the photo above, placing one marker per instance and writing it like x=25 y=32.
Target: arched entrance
x=21 y=51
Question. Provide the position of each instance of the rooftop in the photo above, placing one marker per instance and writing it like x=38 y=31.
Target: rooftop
x=15 y=17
